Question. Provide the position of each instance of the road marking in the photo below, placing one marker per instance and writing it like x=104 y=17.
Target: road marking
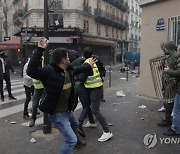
x=19 y=97
x=11 y=110
x=40 y=120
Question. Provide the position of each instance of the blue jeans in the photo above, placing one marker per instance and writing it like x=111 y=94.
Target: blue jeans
x=176 y=114
x=67 y=125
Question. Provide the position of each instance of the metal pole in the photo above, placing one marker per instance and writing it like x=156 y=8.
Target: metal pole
x=109 y=76
x=127 y=70
x=46 y=125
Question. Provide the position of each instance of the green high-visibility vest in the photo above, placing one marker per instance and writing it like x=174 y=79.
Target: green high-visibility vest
x=94 y=81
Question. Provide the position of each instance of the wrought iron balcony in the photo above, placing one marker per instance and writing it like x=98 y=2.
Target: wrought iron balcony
x=24 y=10
x=5 y=9
x=87 y=9
x=17 y=17
x=123 y=6
x=55 y=5
x=15 y=1
x=106 y=18
x=5 y=25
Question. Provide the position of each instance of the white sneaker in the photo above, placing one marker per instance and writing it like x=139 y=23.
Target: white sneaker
x=105 y=137
x=88 y=124
x=162 y=109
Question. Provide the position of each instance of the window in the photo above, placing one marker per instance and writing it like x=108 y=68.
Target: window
x=98 y=29
x=107 y=31
x=86 y=26
x=98 y=4
x=86 y=2
x=112 y=32
x=107 y=11
x=174 y=29
x=117 y=33
x=107 y=8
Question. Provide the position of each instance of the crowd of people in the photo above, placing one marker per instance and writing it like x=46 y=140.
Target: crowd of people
x=56 y=88
x=59 y=85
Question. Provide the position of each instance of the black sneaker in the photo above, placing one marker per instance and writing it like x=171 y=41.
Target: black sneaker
x=12 y=97
x=165 y=123
x=2 y=99
x=80 y=143
x=32 y=122
x=81 y=131
x=26 y=116
x=171 y=132
x=103 y=100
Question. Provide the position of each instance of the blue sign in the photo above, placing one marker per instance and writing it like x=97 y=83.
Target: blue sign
x=160 y=25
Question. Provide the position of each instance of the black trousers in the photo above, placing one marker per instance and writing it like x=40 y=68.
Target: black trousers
x=168 y=111
x=6 y=77
x=29 y=92
x=1 y=89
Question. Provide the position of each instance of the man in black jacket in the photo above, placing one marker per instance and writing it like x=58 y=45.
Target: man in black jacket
x=59 y=99
x=6 y=67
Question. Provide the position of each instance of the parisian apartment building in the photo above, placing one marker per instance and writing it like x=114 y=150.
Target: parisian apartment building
x=135 y=12
x=102 y=25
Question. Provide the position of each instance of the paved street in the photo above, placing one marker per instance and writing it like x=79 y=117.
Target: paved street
x=129 y=123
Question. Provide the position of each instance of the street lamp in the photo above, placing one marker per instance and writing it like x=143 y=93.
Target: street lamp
x=46 y=124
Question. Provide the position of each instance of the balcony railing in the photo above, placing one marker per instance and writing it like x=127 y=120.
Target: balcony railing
x=15 y=1
x=5 y=25
x=17 y=16
x=123 y=6
x=5 y=9
x=24 y=10
x=87 y=9
x=106 y=18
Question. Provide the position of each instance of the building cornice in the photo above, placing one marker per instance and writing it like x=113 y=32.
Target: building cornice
x=143 y=3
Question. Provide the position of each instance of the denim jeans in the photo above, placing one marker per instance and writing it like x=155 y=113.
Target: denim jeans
x=86 y=103
x=67 y=125
x=36 y=98
x=176 y=114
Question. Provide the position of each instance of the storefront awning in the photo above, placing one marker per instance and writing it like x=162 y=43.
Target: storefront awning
x=97 y=41
x=14 y=43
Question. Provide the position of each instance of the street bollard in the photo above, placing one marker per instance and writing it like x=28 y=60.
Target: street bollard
x=127 y=74
x=46 y=125
x=109 y=76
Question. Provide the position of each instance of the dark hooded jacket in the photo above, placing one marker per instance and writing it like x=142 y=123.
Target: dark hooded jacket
x=169 y=82
x=176 y=73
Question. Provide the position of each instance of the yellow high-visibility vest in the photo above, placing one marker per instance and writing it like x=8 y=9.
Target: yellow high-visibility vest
x=37 y=83
x=94 y=81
